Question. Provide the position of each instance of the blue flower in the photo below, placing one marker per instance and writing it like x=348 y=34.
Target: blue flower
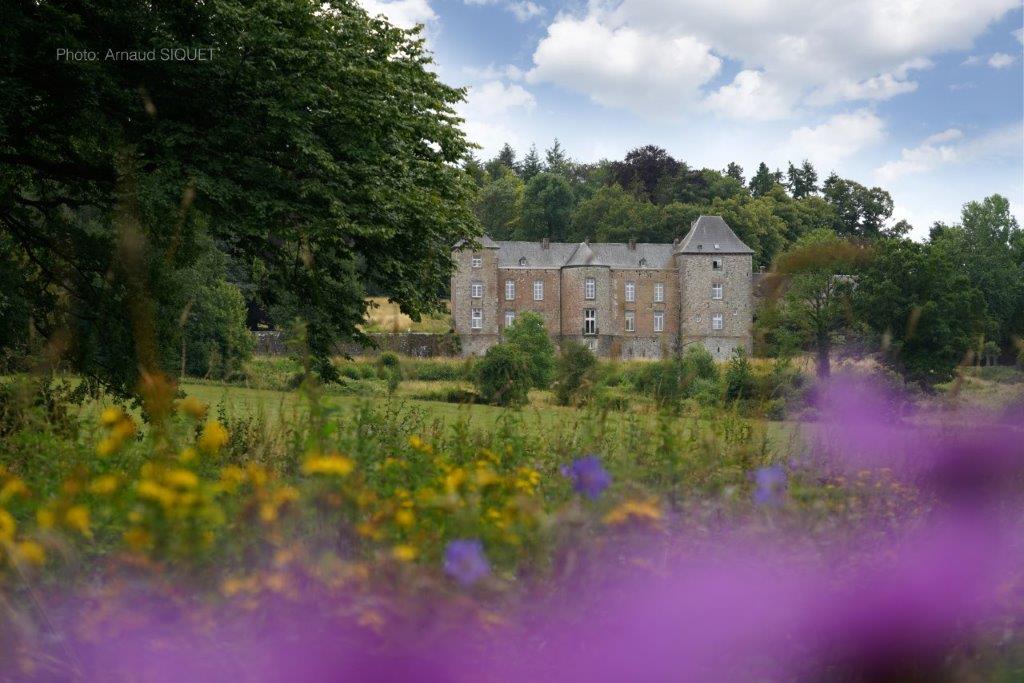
x=770 y=485
x=588 y=476
x=464 y=561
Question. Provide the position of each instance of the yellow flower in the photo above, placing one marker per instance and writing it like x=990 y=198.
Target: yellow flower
x=77 y=518
x=231 y=477
x=641 y=511
x=454 y=479
x=268 y=512
x=150 y=490
x=31 y=552
x=104 y=485
x=108 y=446
x=7 y=526
x=137 y=539
x=13 y=487
x=420 y=445
x=405 y=517
x=333 y=464
x=111 y=416
x=182 y=479
x=214 y=437
x=123 y=429
x=45 y=518
x=192 y=406
x=404 y=553
x=187 y=454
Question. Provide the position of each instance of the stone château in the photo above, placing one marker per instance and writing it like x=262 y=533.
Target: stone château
x=622 y=300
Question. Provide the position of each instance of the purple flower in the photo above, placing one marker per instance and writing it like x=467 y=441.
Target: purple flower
x=588 y=476
x=771 y=485
x=464 y=561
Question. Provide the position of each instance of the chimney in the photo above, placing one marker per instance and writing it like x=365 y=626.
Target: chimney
x=545 y=243
x=632 y=245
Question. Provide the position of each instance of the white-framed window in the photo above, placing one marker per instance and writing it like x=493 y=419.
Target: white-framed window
x=630 y=321
x=630 y=291
x=716 y=290
x=476 y=290
x=476 y=318
x=589 y=321
x=659 y=292
x=659 y=321
x=477 y=261
x=590 y=288
x=510 y=317
x=717 y=264
x=717 y=322
x=510 y=290
x=538 y=290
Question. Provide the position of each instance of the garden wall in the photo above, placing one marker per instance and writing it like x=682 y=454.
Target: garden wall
x=419 y=344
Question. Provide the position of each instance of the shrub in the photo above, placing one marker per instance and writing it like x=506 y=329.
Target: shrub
x=669 y=381
x=216 y=340
x=529 y=335
x=389 y=368
x=574 y=373
x=503 y=376
x=739 y=379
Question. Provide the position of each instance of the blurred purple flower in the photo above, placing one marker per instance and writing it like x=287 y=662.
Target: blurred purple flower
x=465 y=561
x=588 y=476
x=771 y=485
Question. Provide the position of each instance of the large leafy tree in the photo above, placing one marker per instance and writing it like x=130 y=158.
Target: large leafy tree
x=614 y=215
x=498 y=206
x=764 y=180
x=315 y=145
x=547 y=208
x=860 y=211
x=644 y=169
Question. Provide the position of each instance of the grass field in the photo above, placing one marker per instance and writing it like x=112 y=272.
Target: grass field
x=385 y=316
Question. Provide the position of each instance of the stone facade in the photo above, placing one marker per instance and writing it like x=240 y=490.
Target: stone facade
x=622 y=300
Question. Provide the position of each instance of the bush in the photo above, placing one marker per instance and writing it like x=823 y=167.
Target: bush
x=670 y=381
x=216 y=340
x=739 y=379
x=389 y=368
x=574 y=374
x=529 y=335
x=503 y=376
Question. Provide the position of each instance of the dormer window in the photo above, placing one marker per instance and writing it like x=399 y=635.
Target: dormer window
x=716 y=264
x=718 y=246
x=476 y=261
x=522 y=261
x=643 y=263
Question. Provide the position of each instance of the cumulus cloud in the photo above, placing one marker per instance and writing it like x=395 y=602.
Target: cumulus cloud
x=622 y=66
x=523 y=10
x=950 y=147
x=841 y=136
x=750 y=96
x=881 y=87
x=1001 y=60
x=401 y=13
x=509 y=72
x=489 y=112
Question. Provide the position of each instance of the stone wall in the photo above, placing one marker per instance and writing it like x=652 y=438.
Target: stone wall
x=419 y=344
x=696 y=277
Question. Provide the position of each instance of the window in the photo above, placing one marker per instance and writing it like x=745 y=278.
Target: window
x=659 y=321
x=538 y=290
x=510 y=290
x=522 y=261
x=716 y=290
x=630 y=321
x=590 y=288
x=716 y=264
x=716 y=322
x=476 y=319
x=476 y=290
x=630 y=291
x=510 y=317
x=643 y=263
x=477 y=261
x=659 y=292
x=589 y=321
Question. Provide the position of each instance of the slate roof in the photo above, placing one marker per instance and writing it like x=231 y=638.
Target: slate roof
x=712 y=235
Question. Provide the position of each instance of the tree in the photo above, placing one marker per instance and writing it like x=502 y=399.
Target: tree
x=557 y=160
x=318 y=148
x=803 y=181
x=507 y=157
x=498 y=206
x=644 y=168
x=503 y=376
x=529 y=335
x=860 y=211
x=735 y=171
x=614 y=215
x=531 y=165
x=547 y=208
x=574 y=373
x=816 y=290
x=764 y=180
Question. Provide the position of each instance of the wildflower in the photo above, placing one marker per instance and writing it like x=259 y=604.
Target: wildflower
x=107 y=446
x=151 y=490
x=44 y=517
x=188 y=454
x=420 y=445
x=137 y=539
x=404 y=553
x=7 y=526
x=464 y=561
x=31 y=552
x=527 y=480
x=641 y=511
x=77 y=518
x=588 y=476
x=182 y=479
x=111 y=416
x=13 y=487
x=454 y=479
x=192 y=406
x=104 y=485
x=333 y=464
x=214 y=437
x=405 y=517
x=770 y=483
x=124 y=429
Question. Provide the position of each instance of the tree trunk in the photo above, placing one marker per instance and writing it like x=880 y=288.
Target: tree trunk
x=824 y=347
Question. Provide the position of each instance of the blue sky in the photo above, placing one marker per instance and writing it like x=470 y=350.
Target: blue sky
x=922 y=97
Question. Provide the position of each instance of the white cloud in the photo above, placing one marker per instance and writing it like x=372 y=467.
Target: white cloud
x=751 y=97
x=1019 y=34
x=624 y=67
x=625 y=52
x=523 y=10
x=841 y=136
x=509 y=72
x=973 y=60
x=494 y=97
x=489 y=112
x=1001 y=60
x=932 y=153
x=402 y=13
